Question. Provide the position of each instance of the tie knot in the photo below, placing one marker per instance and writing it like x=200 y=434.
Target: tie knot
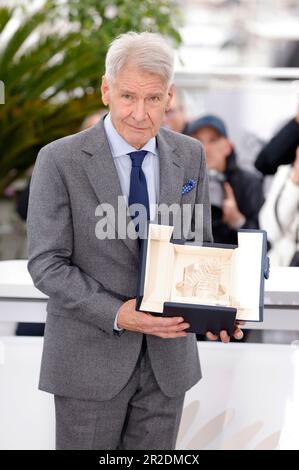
x=137 y=157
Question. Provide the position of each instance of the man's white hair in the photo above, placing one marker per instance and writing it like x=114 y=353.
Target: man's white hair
x=149 y=52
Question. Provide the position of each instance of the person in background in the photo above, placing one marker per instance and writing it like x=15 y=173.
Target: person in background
x=236 y=194
x=92 y=119
x=281 y=149
x=175 y=117
x=279 y=215
x=37 y=329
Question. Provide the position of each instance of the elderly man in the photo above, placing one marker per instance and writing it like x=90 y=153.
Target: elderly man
x=118 y=375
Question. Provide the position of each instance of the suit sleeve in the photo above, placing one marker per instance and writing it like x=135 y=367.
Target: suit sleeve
x=50 y=247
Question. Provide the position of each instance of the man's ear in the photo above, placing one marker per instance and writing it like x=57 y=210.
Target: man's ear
x=105 y=91
x=169 y=96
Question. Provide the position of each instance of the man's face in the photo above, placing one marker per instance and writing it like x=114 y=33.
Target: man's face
x=137 y=101
x=217 y=147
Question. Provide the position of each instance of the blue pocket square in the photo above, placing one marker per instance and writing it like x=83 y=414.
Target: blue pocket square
x=188 y=186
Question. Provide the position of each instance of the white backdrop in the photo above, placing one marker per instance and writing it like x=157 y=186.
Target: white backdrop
x=248 y=398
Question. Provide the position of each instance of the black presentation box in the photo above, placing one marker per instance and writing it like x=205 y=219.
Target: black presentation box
x=210 y=285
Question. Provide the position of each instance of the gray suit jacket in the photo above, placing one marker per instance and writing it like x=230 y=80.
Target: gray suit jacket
x=88 y=279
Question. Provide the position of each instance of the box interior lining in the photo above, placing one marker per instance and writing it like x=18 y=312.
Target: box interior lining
x=192 y=274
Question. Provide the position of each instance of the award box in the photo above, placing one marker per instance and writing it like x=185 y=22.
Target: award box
x=209 y=285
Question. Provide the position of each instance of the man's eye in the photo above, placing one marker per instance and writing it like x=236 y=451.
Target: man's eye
x=127 y=97
x=155 y=99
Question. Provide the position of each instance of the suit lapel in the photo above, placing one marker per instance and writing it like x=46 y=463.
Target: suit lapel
x=171 y=172
x=103 y=177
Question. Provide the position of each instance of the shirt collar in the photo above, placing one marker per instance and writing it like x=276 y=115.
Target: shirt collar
x=119 y=146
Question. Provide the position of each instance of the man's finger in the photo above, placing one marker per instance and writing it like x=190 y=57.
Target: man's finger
x=163 y=335
x=225 y=338
x=163 y=322
x=211 y=336
x=238 y=334
x=170 y=329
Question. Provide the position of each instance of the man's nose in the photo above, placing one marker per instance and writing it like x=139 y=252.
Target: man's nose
x=139 y=112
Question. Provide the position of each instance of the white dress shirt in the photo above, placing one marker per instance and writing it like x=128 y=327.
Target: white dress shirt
x=150 y=165
x=119 y=149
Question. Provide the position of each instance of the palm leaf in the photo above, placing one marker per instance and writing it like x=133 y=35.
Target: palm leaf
x=5 y=15
x=17 y=40
x=41 y=79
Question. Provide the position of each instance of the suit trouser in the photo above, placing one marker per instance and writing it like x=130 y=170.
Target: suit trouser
x=140 y=416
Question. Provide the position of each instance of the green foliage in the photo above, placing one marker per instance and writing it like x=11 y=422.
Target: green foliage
x=52 y=82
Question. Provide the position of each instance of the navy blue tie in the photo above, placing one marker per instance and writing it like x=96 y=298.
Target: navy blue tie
x=138 y=188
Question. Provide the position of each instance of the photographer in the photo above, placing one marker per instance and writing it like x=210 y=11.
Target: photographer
x=236 y=194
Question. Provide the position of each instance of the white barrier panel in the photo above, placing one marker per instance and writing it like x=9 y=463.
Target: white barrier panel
x=20 y=301
x=26 y=414
x=248 y=398
x=16 y=282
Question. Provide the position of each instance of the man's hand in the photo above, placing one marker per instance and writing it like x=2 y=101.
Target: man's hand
x=132 y=320
x=231 y=214
x=225 y=338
